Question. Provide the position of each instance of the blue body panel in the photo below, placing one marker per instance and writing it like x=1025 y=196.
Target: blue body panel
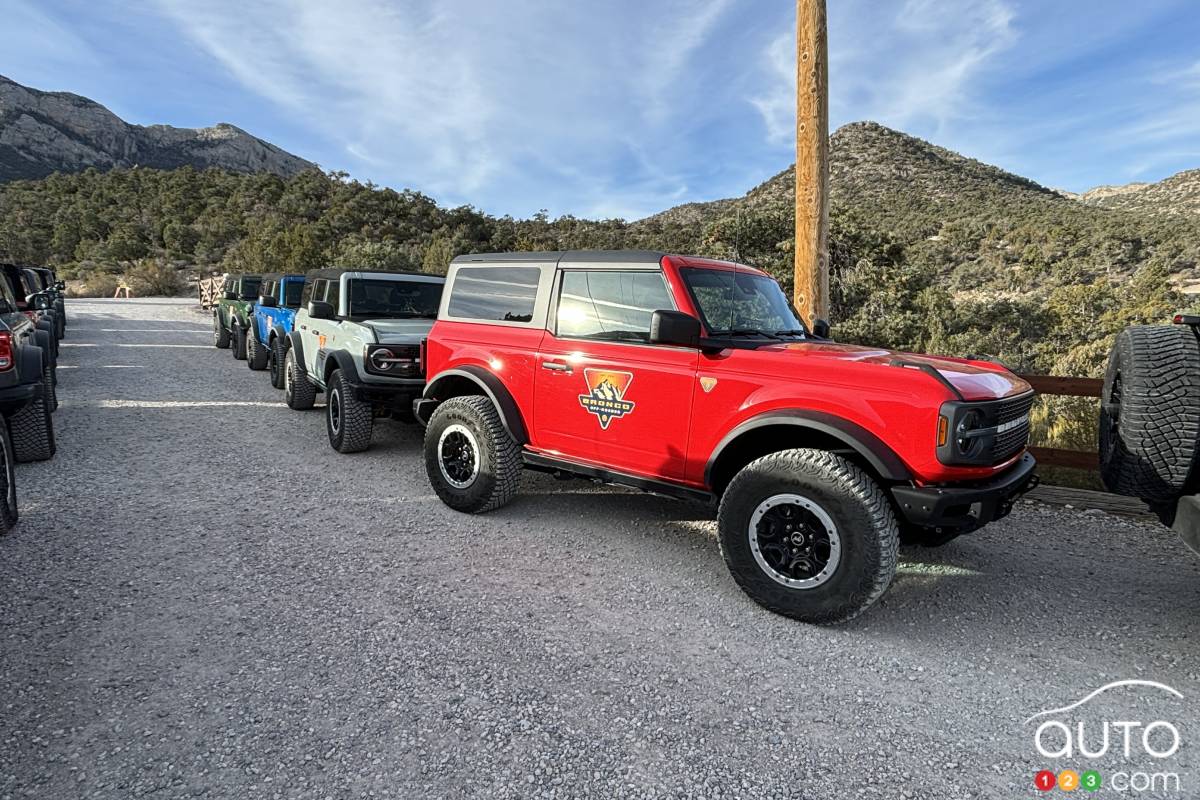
x=268 y=319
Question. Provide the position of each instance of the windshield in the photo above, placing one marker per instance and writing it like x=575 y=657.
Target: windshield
x=393 y=298
x=250 y=288
x=291 y=294
x=737 y=302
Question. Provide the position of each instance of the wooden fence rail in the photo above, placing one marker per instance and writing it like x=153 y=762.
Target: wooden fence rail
x=1066 y=387
x=208 y=290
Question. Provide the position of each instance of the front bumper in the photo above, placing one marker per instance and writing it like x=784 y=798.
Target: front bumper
x=965 y=508
x=399 y=395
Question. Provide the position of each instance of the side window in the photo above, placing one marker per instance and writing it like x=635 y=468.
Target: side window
x=308 y=293
x=502 y=294
x=610 y=304
x=316 y=290
x=332 y=294
x=267 y=289
x=7 y=300
x=293 y=294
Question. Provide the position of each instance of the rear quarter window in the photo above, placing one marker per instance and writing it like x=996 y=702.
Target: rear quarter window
x=494 y=294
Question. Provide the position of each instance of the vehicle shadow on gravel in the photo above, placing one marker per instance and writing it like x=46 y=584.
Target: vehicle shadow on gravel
x=1092 y=567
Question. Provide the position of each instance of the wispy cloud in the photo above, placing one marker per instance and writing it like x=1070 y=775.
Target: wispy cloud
x=915 y=63
x=465 y=97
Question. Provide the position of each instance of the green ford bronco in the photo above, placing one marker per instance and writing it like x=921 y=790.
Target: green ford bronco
x=231 y=315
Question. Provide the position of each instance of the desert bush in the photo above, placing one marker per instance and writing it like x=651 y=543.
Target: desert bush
x=154 y=277
x=98 y=284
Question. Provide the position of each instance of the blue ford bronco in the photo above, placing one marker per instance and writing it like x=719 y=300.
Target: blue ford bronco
x=271 y=320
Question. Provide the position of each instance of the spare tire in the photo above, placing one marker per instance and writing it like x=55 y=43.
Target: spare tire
x=1150 y=412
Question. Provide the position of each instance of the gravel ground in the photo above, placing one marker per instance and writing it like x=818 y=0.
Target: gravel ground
x=203 y=599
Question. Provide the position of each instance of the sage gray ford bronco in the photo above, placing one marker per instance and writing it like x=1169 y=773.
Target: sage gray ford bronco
x=359 y=339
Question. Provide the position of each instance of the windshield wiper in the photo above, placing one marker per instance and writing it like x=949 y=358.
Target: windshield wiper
x=793 y=332
x=747 y=332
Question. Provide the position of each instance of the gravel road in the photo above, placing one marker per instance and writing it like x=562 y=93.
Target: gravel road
x=204 y=599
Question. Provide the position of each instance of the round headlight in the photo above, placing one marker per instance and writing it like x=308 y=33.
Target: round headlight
x=968 y=445
x=381 y=359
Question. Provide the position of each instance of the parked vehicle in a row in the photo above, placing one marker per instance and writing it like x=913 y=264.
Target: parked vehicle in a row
x=27 y=376
x=1150 y=421
x=271 y=321
x=696 y=378
x=231 y=316
x=27 y=287
x=56 y=291
x=34 y=305
x=358 y=339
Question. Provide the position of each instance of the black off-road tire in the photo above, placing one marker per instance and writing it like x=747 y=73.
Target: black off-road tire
x=62 y=326
x=221 y=339
x=32 y=431
x=298 y=391
x=275 y=363
x=1150 y=412
x=851 y=499
x=239 y=343
x=257 y=354
x=9 y=513
x=497 y=458
x=348 y=420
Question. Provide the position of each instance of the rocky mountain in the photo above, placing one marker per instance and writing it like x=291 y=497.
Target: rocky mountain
x=1176 y=195
x=873 y=166
x=46 y=132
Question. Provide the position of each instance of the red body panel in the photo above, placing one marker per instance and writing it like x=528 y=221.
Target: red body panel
x=660 y=412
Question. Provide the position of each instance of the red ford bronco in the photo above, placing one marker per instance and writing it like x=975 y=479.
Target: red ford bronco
x=696 y=378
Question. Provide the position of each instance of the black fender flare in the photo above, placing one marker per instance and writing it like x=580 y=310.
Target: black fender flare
x=344 y=362
x=493 y=388
x=31 y=357
x=297 y=344
x=857 y=438
x=45 y=342
x=277 y=332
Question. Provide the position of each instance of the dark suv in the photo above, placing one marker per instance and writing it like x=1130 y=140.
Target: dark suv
x=54 y=288
x=27 y=393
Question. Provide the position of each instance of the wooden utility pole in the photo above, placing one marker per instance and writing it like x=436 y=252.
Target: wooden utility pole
x=812 y=161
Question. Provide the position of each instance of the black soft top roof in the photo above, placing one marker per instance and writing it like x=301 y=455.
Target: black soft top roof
x=337 y=272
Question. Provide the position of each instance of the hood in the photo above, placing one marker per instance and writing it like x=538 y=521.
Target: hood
x=974 y=380
x=400 y=331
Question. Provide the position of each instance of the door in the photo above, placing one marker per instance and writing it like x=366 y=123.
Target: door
x=604 y=393
x=313 y=331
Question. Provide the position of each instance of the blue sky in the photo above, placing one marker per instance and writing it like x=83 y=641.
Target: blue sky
x=626 y=107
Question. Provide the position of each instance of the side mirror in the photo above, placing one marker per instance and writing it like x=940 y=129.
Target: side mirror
x=60 y=286
x=268 y=301
x=821 y=328
x=674 y=328
x=230 y=295
x=319 y=309
x=40 y=301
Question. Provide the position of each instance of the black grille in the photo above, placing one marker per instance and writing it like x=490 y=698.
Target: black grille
x=1010 y=442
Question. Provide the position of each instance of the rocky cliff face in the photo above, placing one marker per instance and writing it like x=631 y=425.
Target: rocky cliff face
x=46 y=132
x=1178 y=195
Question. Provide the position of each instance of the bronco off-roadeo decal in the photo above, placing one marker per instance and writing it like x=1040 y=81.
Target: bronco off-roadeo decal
x=606 y=394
